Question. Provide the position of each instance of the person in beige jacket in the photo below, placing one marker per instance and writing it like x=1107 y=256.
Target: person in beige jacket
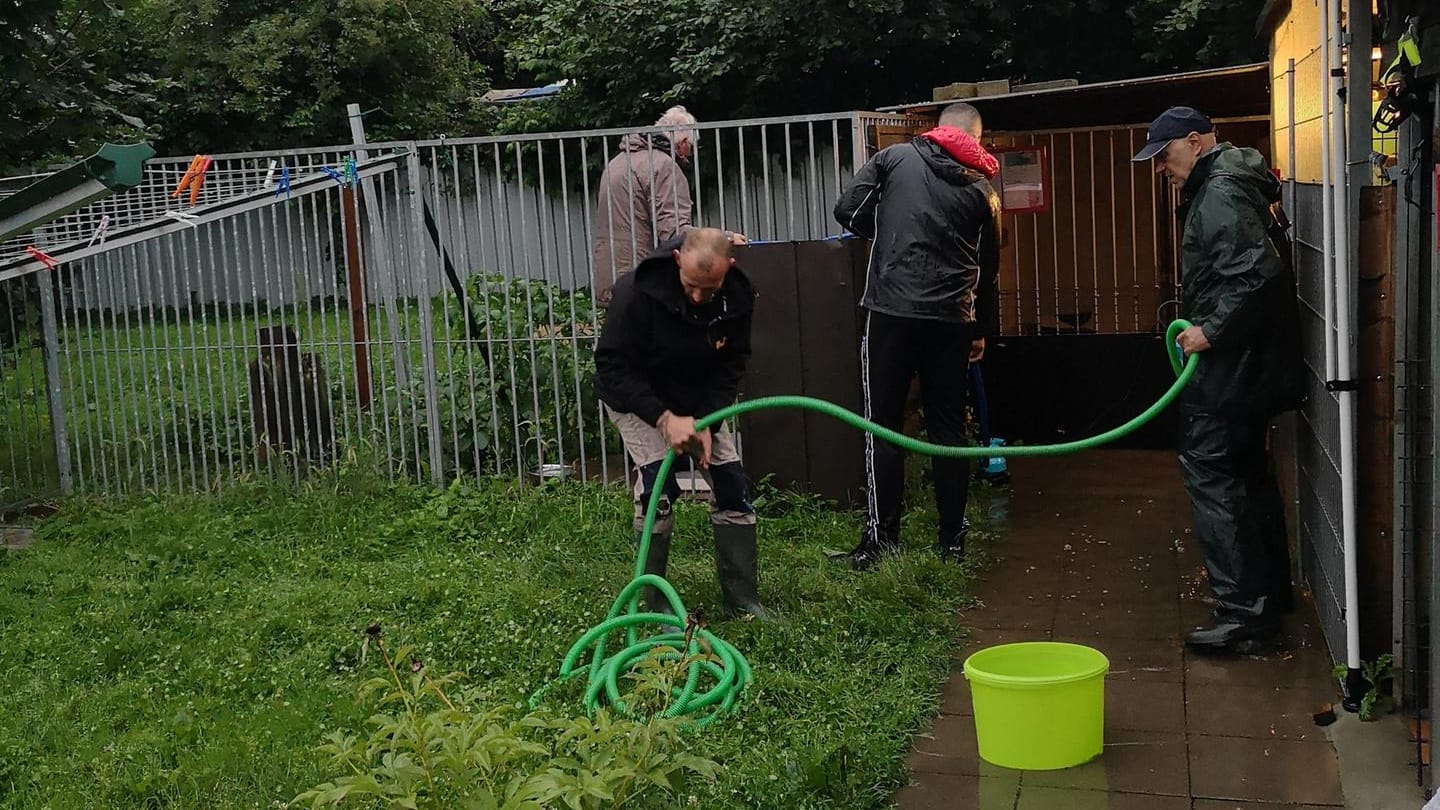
x=644 y=199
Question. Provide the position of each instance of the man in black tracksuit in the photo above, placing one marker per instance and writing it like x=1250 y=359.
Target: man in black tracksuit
x=673 y=348
x=1240 y=297
x=930 y=301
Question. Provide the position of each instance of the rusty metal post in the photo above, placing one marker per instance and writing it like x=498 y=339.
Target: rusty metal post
x=359 y=323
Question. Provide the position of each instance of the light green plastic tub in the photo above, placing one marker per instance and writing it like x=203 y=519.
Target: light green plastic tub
x=1039 y=705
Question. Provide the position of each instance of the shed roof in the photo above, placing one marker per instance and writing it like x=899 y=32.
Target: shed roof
x=1230 y=92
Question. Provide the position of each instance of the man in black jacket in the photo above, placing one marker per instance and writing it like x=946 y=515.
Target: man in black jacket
x=930 y=301
x=673 y=348
x=1240 y=296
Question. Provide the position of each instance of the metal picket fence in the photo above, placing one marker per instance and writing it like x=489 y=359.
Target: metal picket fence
x=434 y=313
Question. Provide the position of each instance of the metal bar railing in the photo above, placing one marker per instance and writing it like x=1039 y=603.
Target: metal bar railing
x=157 y=334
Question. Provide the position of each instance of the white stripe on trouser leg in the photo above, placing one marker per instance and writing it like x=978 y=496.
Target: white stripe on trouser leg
x=872 y=521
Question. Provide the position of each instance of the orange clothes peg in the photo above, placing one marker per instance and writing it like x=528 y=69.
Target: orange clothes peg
x=194 y=177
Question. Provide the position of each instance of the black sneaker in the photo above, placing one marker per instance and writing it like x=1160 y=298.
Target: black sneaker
x=1233 y=638
x=952 y=548
x=868 y=554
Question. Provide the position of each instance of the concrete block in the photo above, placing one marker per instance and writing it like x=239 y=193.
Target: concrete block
x=1053 y=85
x=954 y=91
x=996 y=87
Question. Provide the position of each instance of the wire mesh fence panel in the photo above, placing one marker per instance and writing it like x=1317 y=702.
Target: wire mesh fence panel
x=437 y=314
x=29 y=468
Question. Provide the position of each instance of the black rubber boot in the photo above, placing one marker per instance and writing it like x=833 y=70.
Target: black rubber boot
x=655 y=562
x=737 y=566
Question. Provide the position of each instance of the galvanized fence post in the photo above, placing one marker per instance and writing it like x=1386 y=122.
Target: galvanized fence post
x=420 y=267
x=858 y=156
x=53 y=394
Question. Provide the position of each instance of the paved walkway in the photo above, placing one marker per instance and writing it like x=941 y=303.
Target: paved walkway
x=1098 y=552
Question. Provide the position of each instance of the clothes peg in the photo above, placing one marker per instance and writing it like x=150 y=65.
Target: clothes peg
x=284 y=184
x=194 y=177
x=42 y=257
x=101 y=230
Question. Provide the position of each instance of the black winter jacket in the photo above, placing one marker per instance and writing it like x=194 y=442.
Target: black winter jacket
x=659 y=352
x=936 y=232
x=1239 y=288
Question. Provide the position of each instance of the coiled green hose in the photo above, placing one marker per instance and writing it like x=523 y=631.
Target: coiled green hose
x=709 y=655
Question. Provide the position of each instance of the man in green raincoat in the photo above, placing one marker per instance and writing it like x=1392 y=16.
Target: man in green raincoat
x=1239 y=294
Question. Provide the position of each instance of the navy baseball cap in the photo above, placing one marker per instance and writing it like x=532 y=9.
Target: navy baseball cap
x=1176 y=122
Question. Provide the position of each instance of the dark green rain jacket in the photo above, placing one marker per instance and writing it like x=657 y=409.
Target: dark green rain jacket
x=1239 y=288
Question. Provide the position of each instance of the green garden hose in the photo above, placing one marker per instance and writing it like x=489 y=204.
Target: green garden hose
x=709 y=656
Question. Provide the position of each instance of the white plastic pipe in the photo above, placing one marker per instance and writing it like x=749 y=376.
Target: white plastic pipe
x=1344 y=334
x=1327 y=219
x=1292 y=183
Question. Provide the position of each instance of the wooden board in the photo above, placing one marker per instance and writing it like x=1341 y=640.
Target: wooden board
x=833 y=275
x=805 y=340
x=891 y=134
x=773 y=442
x=1375 y=409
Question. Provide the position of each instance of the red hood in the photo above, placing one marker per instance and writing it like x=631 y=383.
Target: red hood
x=962 y=146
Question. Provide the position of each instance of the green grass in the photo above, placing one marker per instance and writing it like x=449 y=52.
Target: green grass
x=189 y=652
x=138 y=391
x=160 y=401
x=164 y=405
x=27 y=449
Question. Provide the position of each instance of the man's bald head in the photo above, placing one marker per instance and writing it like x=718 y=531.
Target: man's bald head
x=962 y=116
x=709 y=246
x=704 y=259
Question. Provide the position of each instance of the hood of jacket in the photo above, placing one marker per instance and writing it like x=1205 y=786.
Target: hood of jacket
x=1242 y=165
x=658 y=277
x=965 y=149
x=647 y=141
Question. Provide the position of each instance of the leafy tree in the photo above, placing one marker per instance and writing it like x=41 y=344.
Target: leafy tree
x=629 y=60
x=251 y=74
x=1191 y=34
x=1100 y=40
x=768 y=57
x=241 y=74
x=266 y=73
x=62 y=91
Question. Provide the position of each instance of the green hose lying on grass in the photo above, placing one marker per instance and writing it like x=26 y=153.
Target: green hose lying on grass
x=709 y=657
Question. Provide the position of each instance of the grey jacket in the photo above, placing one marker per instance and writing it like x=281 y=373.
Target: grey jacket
x=643 y=201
